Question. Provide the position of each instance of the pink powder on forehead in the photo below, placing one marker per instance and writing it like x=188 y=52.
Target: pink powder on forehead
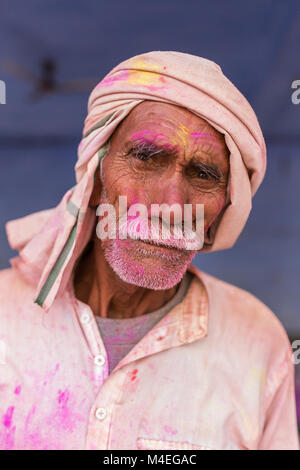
x=138 y=135
x=152 y=137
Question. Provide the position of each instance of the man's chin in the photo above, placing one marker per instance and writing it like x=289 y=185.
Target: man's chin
x=146 y=265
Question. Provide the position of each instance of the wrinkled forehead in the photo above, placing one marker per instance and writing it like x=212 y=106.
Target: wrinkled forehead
x=151 y=120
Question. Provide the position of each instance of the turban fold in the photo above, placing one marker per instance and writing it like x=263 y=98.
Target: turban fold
x=50 y=242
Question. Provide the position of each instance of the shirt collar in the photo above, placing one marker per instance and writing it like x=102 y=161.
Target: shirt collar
x=184 y=323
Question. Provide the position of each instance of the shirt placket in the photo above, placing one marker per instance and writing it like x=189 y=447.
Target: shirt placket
x=96 y=345
x=173 y=330
x=108 y=389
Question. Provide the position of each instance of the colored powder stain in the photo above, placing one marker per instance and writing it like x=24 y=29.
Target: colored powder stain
x=184 y=129
x=151 y=80
x=139 y=135
x=181 y=134
x=147 y=137
x=141 y=64
x=259 y=373
x=33 y=439
x=141 y=271
x=9 y=439
x=64 y=417
x=111 y=80
x=134 y=372
x=7 y=418
x=170 y=430
x=200 y=134
x=29 y=417
x=63 y=397
x=17 y=390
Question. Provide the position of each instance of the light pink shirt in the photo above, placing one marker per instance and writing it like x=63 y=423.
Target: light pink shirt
x=215 y=373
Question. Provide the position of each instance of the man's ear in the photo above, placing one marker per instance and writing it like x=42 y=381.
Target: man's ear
x=95 y=196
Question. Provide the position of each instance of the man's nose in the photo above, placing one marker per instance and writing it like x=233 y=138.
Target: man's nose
x=168 y=201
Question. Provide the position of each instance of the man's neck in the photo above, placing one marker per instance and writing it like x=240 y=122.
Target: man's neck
x=97 y=285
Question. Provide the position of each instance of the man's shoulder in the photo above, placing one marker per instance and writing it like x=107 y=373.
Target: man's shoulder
x=8 y=275
x=13 y=285
x=244 y=311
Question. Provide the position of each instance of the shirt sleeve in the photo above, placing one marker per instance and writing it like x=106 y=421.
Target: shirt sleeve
x=280 y=430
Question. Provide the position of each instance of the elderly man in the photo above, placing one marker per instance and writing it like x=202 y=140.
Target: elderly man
x=119 y=342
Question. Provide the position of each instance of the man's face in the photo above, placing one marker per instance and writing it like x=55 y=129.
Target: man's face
x=161 y=153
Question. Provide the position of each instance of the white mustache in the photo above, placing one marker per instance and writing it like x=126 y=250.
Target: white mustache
x=156 y=232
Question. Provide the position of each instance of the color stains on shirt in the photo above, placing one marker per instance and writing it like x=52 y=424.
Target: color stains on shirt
x=7 y=418
x=7 y=437
x=17 y=390
x=134 y=373
x=169 y=430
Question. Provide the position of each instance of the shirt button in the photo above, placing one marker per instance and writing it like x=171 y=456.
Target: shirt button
x=85 y=318
x=100 y=413
x=99 y=360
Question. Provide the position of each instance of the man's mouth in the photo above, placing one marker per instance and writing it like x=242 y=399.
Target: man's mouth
x=158 y=247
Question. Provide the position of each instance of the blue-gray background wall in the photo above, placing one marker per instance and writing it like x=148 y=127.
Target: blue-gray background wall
x=257 y=45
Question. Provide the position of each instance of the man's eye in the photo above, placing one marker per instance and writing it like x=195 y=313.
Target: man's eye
x=203 y=175
x=143 y=156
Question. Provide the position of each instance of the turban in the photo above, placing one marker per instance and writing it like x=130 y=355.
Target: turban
x=50 y=241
